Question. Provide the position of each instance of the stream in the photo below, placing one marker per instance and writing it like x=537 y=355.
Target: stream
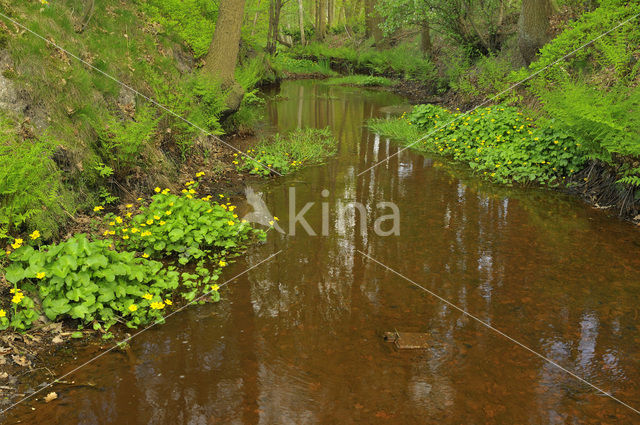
x=298 y=339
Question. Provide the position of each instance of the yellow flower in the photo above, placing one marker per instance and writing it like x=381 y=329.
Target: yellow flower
x=134 y=230
x=112 y=223
x=17 y=298
x=189 y=197
x=232 y=207
x=145 y=255
x=157 y=190
x=133 y=307
x=41 y=275
x=139 y=199
x=17 y=243
x=149 y=222
x=8 y=252
x=125 y=230
x=147 y=233
x=155 y=217
x=3 y=313
x=112 y=232
x=125 y=237
x=128 y=215
x=98 y=208
x=119 y=220
x=215 y=287
x=147 y=296
x=166 y=191
x=221 y=196
x=222 y=263
x=35 y=235
x=276 y=218
x=192 y=191
x=162 y=223
x=271 y=223
x=230 y=223
x=129 y=206
x=167 y=212
x=168 y=302
x=157 y=305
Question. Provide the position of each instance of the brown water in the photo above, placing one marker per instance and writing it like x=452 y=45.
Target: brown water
x=298 y=339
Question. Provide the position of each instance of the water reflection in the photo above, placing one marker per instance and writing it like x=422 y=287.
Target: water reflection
x=297 y=340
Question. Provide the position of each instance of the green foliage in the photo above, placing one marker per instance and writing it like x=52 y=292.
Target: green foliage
x=498 y=141
x=192 y=20
x=29 y=184
x=606 y=121
x=88 y=280
x=182 y=225
x=402 y=61
x=123 y=142
x=286 y=154
x=361 y=80
x=285 y=63
x=609 y=58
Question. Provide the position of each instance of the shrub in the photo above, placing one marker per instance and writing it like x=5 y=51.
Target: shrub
x=498 y=141
x=286 y=154
x=30 y=184
x=88 y=280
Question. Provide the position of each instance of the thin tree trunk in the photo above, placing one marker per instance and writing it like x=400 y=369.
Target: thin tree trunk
x=533 y=27
x=255 y=18
x=425 y=39
x=303 y=39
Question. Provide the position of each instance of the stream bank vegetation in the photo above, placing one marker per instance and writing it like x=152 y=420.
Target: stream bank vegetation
x=285 y=154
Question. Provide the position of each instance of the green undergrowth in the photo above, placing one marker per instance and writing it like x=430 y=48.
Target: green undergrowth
x=402 y=61
x=286 y=154
x=361 y=80
x=285 y=63
x=114 y=276
x=499 y=142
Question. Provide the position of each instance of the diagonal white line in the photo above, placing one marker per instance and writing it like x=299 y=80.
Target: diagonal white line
x=153 y=101
x=135 y=335
x=482 y=322
x=501 y=93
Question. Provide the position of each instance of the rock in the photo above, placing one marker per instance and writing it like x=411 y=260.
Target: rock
x=50 y=397
x=127 y=98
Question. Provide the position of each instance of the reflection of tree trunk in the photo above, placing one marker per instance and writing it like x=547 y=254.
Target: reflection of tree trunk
x=303 y=40
x=300 y=103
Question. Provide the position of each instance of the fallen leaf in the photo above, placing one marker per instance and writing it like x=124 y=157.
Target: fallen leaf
x=57 y=339
x=21 y=360
x=50 y=397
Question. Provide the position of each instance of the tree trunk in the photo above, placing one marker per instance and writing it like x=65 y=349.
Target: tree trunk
x=533 y=27
x=255 y=18
x=372 y=21
x=303 y=39
x=321 y=28
x=274 y=25
x=221 y=60
x=425 y=39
